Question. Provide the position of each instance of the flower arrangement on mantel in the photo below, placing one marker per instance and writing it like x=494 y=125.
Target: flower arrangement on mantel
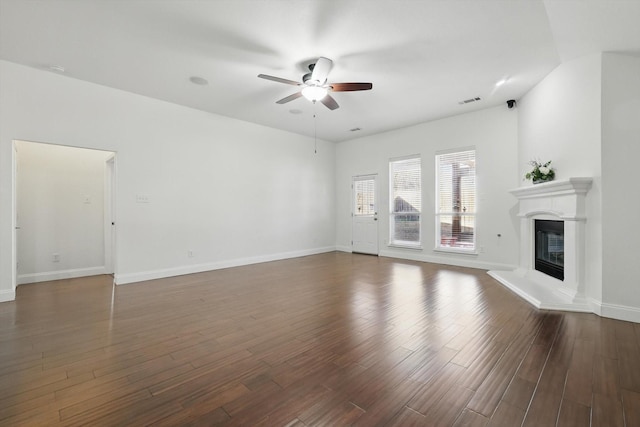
x=540 y=172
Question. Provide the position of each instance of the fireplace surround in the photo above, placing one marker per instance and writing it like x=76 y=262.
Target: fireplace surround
x=563 y=204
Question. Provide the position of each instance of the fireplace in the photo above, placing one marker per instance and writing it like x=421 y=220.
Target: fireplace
x=551 y=269
x=549 y=248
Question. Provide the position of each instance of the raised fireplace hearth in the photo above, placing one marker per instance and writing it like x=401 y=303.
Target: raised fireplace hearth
x=551 y=269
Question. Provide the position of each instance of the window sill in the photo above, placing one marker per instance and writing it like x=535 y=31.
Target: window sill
x=456 y=251
x=401 y=246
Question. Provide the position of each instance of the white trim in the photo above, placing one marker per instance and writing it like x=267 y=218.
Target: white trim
x=109 y=213
x=364 y=177
x=61 y=274
x=341 y=248
x=460 y=251
x=456 y=150
x=596 y=306
x=620 y=312
x=463 y=261
x=14 y=218
x=417 y=247
x=408 y=157
x=7 y=295
x=122 y=279
x=571 y=186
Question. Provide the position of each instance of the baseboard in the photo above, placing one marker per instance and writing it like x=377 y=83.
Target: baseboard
x=58 y=275
x=619 y=312
x=596 y=306
x=344 y=249
x=7 y=295
x=122 y=279
x=462 y=261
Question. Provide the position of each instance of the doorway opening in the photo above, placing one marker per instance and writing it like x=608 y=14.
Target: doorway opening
x=64 y=212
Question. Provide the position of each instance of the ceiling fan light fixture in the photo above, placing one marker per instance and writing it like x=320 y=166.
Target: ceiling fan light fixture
x=314 y=93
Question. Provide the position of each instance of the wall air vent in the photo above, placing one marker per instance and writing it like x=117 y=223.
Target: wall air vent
x=467 y=101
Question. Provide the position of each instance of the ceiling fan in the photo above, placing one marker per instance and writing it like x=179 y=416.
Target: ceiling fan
x=315 y=87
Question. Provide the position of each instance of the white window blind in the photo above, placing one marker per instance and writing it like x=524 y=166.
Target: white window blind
x=406 y=201
x=364 y=192
x=456 y=201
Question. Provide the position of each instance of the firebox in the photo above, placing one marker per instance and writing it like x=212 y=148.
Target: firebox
x=549 y=248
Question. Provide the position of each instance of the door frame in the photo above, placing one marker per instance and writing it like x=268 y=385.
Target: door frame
x=14 y=216
x=110 y=214
x=14 y=207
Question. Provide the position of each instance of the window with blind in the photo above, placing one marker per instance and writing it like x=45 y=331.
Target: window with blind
x=406 y=201
x=456 y=200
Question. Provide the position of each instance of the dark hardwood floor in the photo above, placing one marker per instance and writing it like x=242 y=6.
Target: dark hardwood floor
x=333 y=339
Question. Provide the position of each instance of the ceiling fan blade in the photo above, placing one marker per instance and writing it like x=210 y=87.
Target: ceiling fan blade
x=289 y=98
x=278 y=79
x=321 y=70
x=329 y=102
x=347 y=87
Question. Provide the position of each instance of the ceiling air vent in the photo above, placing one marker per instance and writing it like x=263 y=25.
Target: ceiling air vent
x=467 y=101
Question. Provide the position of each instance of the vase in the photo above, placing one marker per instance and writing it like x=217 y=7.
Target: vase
x=541 y=180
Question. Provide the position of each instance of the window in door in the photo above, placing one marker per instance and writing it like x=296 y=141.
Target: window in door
x=456 y=200
x=405 y=201
x=364 y=196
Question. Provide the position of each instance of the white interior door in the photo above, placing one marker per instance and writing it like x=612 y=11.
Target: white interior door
x=364 y=215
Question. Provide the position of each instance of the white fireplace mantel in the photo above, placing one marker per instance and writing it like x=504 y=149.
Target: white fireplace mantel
x=560 y=201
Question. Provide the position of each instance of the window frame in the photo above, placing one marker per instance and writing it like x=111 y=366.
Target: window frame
x=473 y=249
x=406 y=244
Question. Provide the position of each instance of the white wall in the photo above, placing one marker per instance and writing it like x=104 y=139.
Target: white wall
x=60 y=206
x=494 y=134
x=559 y=120
x=620 y=195
x=230 y=191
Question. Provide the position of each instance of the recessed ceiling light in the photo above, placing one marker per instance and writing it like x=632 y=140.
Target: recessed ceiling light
x=295 y=111
x=56 y=68
x=200 y=81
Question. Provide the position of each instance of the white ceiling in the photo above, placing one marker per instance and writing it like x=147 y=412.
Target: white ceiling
x=422 y=57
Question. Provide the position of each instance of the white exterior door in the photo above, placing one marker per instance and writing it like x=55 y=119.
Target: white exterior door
x=364 y=215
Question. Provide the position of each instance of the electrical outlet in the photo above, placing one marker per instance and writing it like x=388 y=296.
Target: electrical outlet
x=55 y=257
x=190 y=253
x=87 y=200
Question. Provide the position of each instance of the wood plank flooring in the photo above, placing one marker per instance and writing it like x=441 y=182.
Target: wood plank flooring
x=334 y=339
